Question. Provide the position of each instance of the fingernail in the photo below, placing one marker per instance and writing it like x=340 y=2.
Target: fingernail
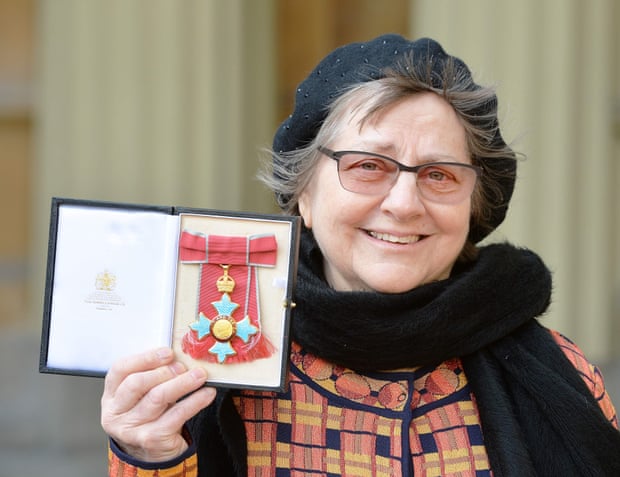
x=199 y=374
x=177 y=368
x=164 y=353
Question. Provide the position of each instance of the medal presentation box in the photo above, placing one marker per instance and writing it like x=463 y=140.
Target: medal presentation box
x=216 y=286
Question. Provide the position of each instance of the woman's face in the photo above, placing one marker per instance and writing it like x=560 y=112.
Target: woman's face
x=397 y=241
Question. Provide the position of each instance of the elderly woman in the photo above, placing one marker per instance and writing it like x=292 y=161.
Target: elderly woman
x=416 y=352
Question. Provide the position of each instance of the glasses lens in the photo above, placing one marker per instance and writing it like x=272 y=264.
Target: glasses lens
x=442 y=182
x=446 y=182
x=366 y=174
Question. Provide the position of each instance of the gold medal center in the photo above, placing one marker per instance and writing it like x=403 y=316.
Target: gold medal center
x=222 y=329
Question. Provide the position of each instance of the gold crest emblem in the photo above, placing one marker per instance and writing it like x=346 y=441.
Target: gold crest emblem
x=105 y=281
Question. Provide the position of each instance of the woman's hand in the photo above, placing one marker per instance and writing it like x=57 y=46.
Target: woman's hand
x=140 y=407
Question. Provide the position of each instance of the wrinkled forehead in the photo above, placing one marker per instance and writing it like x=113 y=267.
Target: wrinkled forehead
x=363 y=105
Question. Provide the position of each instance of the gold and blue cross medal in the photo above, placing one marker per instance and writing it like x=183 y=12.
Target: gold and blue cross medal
x=228 y=277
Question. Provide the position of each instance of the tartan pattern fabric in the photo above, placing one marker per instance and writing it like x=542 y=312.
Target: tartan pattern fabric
x=335 y=422
x=117 y=467
x=590 y=374
x=448 y=440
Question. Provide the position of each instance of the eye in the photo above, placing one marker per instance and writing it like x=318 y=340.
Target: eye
x=361 y=164
x=439 y=177
x=435 y=174
x=368 y=165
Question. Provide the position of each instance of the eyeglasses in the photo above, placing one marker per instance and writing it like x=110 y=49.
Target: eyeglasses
x=374 y=174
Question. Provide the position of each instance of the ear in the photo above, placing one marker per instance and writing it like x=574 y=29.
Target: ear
x=305 y=208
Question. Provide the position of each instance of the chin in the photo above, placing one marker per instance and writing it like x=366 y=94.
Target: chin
x=392 y=283
x=392 y=291
x=391 y=287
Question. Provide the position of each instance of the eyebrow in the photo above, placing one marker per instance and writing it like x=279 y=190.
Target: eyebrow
x=440 y=158
x=390 y=151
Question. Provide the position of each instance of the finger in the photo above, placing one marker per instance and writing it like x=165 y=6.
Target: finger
x=182 y=411
x=133 y=364
x=161 y=397
x=137 y=385
x=162 y=439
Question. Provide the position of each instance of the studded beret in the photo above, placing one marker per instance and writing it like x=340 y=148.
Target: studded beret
x=362 y=62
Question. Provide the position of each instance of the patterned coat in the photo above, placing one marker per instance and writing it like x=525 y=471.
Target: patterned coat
x=336 y=422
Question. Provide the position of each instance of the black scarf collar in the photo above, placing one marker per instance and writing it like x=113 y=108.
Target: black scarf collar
x=538 y=416
x=478 y=305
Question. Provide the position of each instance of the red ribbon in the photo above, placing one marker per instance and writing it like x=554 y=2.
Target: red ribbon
x=228 y=250
x=243 y=255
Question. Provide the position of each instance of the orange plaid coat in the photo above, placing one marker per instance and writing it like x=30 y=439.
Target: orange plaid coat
x=336 y=422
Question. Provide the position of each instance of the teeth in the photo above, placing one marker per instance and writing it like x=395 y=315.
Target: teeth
x=394 y=238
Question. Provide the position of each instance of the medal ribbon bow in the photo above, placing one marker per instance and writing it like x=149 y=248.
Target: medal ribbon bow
x=254 y=250
x=227 y=337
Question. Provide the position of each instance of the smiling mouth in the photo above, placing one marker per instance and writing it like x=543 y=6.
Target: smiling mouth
x=407 y=239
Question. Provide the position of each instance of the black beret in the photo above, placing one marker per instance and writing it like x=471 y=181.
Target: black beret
x=361 y=62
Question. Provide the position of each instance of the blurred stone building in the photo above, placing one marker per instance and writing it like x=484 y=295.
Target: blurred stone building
x=163 y=102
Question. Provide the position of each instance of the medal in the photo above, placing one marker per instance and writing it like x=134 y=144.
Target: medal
x=228 y=326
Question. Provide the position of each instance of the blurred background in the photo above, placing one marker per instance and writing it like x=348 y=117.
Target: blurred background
x=169 y=102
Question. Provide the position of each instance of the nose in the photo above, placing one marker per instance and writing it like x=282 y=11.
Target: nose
x=403 y=200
